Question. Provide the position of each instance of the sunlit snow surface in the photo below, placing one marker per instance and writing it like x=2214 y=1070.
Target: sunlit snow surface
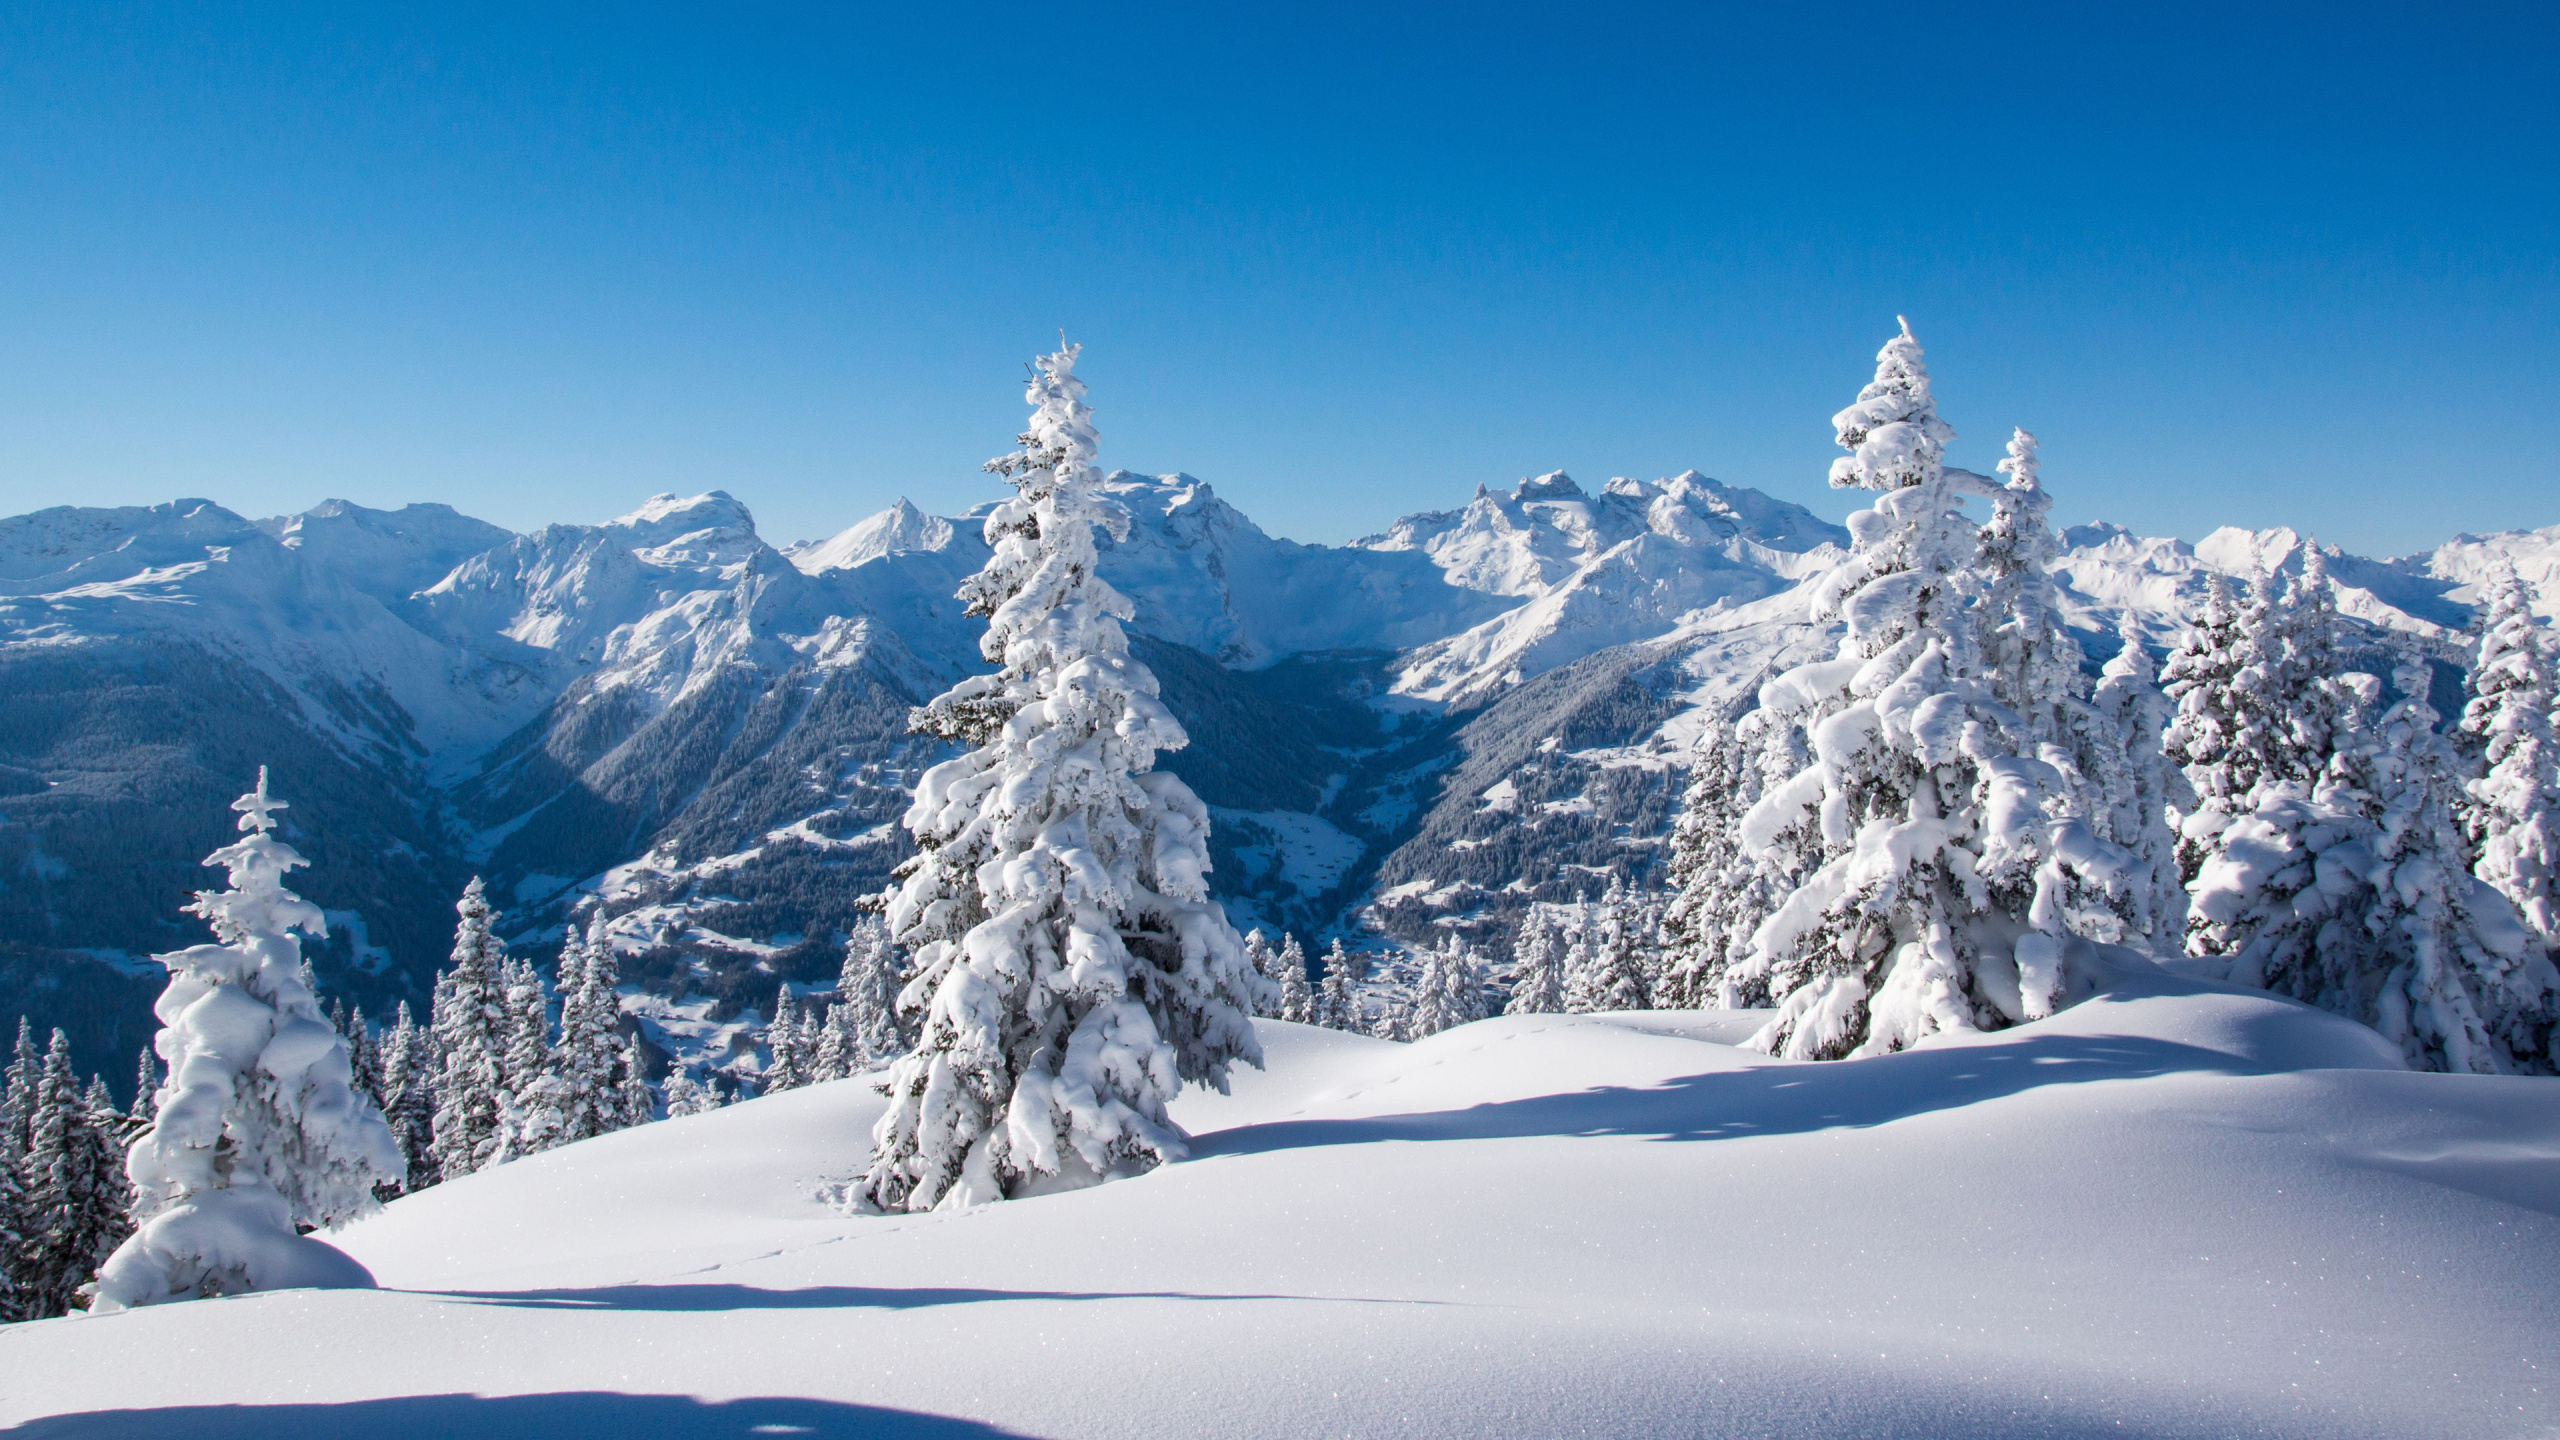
x=2171 y=1210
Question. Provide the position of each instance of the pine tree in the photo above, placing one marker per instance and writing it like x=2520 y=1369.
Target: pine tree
x=636 y=1103
x=16 y=1299
x=2513 y=808
x=18 y=1093
x=1338 y=1003
x=408 y=1085
x=861 y=1031
x=1943 y=847
x=1428 y=1010
x=469 y=1036
x=688 y=1096
x=791 y=1047
x=1072 y=970
x=1612 y=973
x=1719 y=894
x=2140 y=809
x=590 y=1045
x=1297 y=1000
x=74 y=1194
x=146 y=1088
x=364 y=1056
x=260 y=1129
x=1538 y=973
x=1258 y=954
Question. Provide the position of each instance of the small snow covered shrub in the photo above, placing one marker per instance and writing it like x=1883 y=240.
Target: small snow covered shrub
x=1070 y=968
x=259 y=1127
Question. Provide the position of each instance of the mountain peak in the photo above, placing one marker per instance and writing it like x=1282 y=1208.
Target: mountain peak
x=1554 y=485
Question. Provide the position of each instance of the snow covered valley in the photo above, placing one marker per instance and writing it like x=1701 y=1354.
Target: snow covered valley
x=2172 y=1210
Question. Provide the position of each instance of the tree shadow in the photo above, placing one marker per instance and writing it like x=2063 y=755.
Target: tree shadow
x=682 y=1298
x=567 y=1415
x=1771 y=1099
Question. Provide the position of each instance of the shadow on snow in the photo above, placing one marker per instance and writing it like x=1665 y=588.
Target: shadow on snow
x=1771 y=1099
x=560 y=1416
x=679 y=1298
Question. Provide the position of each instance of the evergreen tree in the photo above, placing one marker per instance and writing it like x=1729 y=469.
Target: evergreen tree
x=469 y=1037
x=16 y=1300
x=146 y=1089
x=1719 y=894
x=2140 y=809
x=636 y=1103
x=364 y=1056
x=1538 y=966
x=1946 y=849
x=1338 y=1003
x=408 y=1085
x=688 y=1096
x=73 y=1195
x=1259 y=954
x=2513 y=809
x=791 y=1046
x=861 y=1032
x=18 y=1094
x=590 y=1044
x=1297 y=999
x=1612 y=973
x=260 y=1129
x=1071 y=968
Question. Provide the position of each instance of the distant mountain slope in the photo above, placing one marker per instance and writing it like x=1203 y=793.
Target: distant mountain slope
x=1430 y=725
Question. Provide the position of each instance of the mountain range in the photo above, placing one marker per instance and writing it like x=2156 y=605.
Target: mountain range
x=669 y=719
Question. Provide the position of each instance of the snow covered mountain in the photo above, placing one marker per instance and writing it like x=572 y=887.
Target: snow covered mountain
x=1431 y=725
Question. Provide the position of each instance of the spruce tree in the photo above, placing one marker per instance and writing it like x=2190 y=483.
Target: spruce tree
x=1297 y=999
x=636 y=1103
x=789 y=1046
x=861 y=1032
x=1611 y=975
x=469 y=1035
x=18 y=1093
x=1537 y=974
x=146 y=1089
x=1719 y=894
x=590 y=1045
x=1070 y=967
x=260 y=1129
x=2512 y=809
x=1338 y=1002
x=74 y=1193
x=1945 y=850
x=688 y=1096
x=2140 y=811
x=408 y=1083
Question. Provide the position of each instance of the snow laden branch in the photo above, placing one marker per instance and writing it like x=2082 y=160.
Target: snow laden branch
x=259 y=1128
x=1070 y=970
x=1938 y=851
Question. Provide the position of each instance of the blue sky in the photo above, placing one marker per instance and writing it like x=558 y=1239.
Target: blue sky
x=2282 y=266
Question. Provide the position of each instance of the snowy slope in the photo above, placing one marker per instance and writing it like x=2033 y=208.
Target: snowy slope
x=2170 y=1211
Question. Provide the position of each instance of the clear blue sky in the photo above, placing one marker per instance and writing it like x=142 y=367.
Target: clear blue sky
x=2233 y=264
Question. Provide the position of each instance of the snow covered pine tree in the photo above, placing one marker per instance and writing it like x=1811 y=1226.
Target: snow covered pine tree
x=259 y=1128
x=1944 y=836
x=467 y=1033
x=1072 y=969
x=1537 y=973
x=2514 y=806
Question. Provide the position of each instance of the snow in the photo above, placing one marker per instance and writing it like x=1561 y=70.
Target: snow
x=2172 y=1210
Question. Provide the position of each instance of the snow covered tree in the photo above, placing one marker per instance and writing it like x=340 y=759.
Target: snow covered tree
x=2140 y=808
x=791 y=1044
x=1451 y=992
x=1719 y=894
x=1338 y=1002
x=146 y=1084
x=260 y=1129
x=468 y=1025
x=1258 y=953
x=16 y=1298
x=861 y=1031
x=1071 y=968
x=1612 y=973
x=1537 y=973
x=590 y=1045
x=74 y=1193
x=634 y=1102
x=1297 y=998
x=1945 y=846
x=2513 y=809
x=409 y=1106
x=18 y=1093
x=688 y=1096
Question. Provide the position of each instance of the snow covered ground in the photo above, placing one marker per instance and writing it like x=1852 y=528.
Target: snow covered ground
x=2170 y=1211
